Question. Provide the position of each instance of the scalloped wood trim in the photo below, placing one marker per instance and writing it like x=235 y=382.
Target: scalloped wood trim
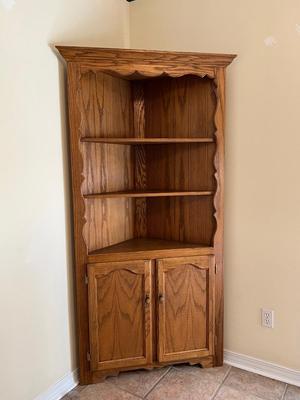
x=157 y=72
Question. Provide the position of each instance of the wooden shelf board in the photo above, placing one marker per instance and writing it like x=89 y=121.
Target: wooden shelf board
x=147 y=194
x=146 y=140
x=144 y=247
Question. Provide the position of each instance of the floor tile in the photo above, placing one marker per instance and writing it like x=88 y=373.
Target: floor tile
x=292 y=393
x=179 y=384
x=254 y=384
x=217 y=373
x=228 y=393
x=138 y=382
x=74 y=394
x=104 y=391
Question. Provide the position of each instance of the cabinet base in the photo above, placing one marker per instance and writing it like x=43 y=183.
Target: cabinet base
x=100 y=376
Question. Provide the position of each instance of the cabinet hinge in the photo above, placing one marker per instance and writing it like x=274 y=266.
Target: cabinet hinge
x=86 y=279
x=88 y=357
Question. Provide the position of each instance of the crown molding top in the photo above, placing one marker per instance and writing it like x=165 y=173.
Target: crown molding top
x=93 y=55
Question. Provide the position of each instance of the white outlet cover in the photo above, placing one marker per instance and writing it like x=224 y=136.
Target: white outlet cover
x=267 y=318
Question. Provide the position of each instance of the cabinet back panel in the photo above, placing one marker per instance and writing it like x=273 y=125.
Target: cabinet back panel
x=181 y=107
x=180 y=167
x=185 y=219
x=108 y=221
x=107 y=167
x=105 y=103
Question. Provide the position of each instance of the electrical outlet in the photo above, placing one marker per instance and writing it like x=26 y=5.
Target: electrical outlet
x=267 y=318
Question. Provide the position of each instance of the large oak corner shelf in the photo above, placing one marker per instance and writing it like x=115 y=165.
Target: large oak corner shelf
x=147 y=156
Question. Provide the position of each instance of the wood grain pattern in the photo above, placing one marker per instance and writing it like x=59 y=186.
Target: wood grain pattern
x=131 y=194
x=152 y=140
x=182 y=167
x=141 y=185
x=176 y=106
x=107 y=168
x=186 y=219
x=121 y=103
x=105 y=106
x=120 y=297
x=140 y=159
x=80 y=247
x=128 y=57
x=219 y=214
x=185 y=300
x=138 y=109
x=109 y=221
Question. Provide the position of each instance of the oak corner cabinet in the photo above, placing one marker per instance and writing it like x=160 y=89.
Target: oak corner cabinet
x=147 y=160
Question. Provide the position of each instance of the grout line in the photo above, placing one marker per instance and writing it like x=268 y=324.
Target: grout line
x=127 y=391
x=221 y=384
x=123 y=390
x=75 y=390
x=159 y=380
x=284 y=392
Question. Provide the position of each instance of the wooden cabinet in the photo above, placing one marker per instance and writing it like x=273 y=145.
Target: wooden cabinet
x=122 y=301
x=147 y=164
x=186 y=307
x=120 y=297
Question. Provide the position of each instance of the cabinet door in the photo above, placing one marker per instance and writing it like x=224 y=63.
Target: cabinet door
x=186 y=307
x=120 y=314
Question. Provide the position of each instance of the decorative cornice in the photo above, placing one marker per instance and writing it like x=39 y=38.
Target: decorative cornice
x=94 y=55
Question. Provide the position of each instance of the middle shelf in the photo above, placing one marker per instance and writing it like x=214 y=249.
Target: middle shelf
x=148 y=194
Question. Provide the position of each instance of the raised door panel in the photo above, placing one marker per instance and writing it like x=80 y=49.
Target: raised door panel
x=186 y=307
x=120 y=314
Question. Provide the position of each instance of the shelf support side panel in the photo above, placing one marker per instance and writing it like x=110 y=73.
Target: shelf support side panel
x=219 y=215
x=73 y=71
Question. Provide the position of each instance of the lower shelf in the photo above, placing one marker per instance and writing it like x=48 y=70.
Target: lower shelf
x=134 y=249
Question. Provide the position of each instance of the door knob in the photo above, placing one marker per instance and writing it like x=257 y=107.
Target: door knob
x=161 y=298
x=147 y=299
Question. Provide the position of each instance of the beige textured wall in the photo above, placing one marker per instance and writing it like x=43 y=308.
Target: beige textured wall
x=36 y=308
x=262 y=246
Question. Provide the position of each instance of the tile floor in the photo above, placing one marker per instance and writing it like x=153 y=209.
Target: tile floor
x=187 y=383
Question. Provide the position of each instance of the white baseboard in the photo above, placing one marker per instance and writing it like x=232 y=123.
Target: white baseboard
x=261 y=367
x=60 y=388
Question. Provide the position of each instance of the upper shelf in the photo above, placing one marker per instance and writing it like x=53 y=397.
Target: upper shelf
x=146 y=140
